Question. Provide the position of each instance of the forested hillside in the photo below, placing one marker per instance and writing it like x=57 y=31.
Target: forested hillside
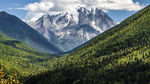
x=120 y=55
x=17 y=57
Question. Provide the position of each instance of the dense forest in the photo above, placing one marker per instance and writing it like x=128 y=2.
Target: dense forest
x=18 y=58
x=120 y=55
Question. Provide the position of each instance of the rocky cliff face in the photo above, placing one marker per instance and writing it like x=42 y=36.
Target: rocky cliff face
x=67 y=33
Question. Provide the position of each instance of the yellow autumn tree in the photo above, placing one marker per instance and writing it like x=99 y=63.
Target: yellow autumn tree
x=11 y=80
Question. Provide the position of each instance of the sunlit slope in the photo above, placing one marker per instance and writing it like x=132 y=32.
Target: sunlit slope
x=17 y=57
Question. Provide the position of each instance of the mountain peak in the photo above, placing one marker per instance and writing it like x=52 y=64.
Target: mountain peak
x=3 y=12
x=46 y=16
x=89 y=10
x=65 y=31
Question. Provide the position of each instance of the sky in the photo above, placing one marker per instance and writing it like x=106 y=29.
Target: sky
x=31 y=10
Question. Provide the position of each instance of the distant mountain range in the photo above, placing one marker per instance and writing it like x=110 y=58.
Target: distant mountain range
x=68 y=32
x=17 y=29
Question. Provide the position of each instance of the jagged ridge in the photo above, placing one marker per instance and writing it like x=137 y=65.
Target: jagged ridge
x=67 y=33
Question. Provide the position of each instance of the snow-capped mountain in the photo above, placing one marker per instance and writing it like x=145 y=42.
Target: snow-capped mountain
x=66 y=32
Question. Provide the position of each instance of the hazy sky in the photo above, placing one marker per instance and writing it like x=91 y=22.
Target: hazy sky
x=30 y=10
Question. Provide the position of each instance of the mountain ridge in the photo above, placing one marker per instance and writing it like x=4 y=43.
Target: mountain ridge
x=67 y=32
x=17 y=29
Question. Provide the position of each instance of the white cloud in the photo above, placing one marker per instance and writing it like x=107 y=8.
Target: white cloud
x=37 y=9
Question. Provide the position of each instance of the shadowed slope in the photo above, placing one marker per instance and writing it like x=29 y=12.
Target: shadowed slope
x=17 y=29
